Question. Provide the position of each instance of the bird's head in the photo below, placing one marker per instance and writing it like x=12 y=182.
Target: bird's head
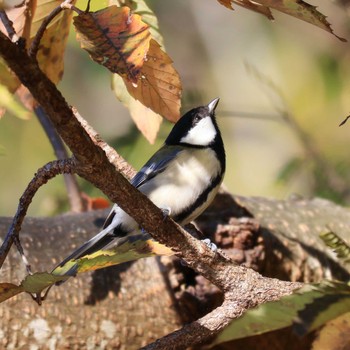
x=197 y=127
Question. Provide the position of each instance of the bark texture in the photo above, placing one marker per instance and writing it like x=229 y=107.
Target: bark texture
x=128 y=306
x=122 y=307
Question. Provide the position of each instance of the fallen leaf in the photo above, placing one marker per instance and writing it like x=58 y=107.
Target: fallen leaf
x=115 y=38
x=158 y=86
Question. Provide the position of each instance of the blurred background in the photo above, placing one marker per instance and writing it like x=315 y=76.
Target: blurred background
x=284 y=88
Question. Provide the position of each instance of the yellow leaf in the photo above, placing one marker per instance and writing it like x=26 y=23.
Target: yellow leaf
x=135 y=247
x=158 y=86
x=115 y=38
x=9 y=290
x=147 y=121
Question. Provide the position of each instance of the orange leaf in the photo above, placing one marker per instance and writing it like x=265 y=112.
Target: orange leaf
x=159 y=85
x=114 y=38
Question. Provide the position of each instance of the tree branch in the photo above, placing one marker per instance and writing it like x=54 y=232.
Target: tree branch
x=44 y=174
x=8 y=26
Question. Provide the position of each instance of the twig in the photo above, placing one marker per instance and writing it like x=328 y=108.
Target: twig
x=8 y=24
x=47 y=172
x=72 y=187
x=34 y=47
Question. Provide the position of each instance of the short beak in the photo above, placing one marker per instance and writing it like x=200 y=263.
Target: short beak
x=213 y=104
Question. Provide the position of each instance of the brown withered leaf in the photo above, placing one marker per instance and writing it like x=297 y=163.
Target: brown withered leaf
x=147 y=121
x=296 y=8
x=158 y=86
x=115 y=38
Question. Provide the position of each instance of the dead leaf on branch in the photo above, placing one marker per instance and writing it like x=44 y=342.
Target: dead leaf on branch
x=114 y=38
x=295 y=8
x=147 y=121
x=248 y=5
x=158 y=86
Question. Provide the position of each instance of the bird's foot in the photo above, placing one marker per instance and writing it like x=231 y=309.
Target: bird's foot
x=212 y=246
x=166 y=212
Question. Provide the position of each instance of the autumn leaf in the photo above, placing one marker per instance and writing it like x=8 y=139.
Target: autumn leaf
x=135 y=247
x=114 y=38
x=248 y=5
x=52 y=45
x=158 y=86
x=295 y=8
x=9 y=290
x=141 y=8
x=147 y=121
x=34 y=284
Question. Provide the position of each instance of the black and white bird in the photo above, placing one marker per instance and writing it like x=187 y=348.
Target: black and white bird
x=181 y=178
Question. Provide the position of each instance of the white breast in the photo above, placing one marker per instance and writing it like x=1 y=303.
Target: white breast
x=183 y=181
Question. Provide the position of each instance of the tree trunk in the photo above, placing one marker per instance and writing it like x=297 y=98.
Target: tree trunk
x=130 y=305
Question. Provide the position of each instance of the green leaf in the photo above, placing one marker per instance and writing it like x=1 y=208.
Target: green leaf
x=39 y=281
x=340 y=247
x=286 y=312
x=134 y=248
x=322 y=310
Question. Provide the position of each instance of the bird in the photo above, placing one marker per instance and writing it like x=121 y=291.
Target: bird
x=181 y=178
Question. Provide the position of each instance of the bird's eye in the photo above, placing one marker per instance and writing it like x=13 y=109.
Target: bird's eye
x=196 y=119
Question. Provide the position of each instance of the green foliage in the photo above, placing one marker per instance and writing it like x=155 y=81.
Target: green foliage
x=340 y=247
x=307 y=309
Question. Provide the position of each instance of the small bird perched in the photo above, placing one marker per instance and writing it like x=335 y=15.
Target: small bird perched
x=181 y=178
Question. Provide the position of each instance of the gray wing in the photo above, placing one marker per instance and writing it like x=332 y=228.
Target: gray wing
x=157 y=163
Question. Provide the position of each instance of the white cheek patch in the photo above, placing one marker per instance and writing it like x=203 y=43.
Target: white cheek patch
x=202 y=134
